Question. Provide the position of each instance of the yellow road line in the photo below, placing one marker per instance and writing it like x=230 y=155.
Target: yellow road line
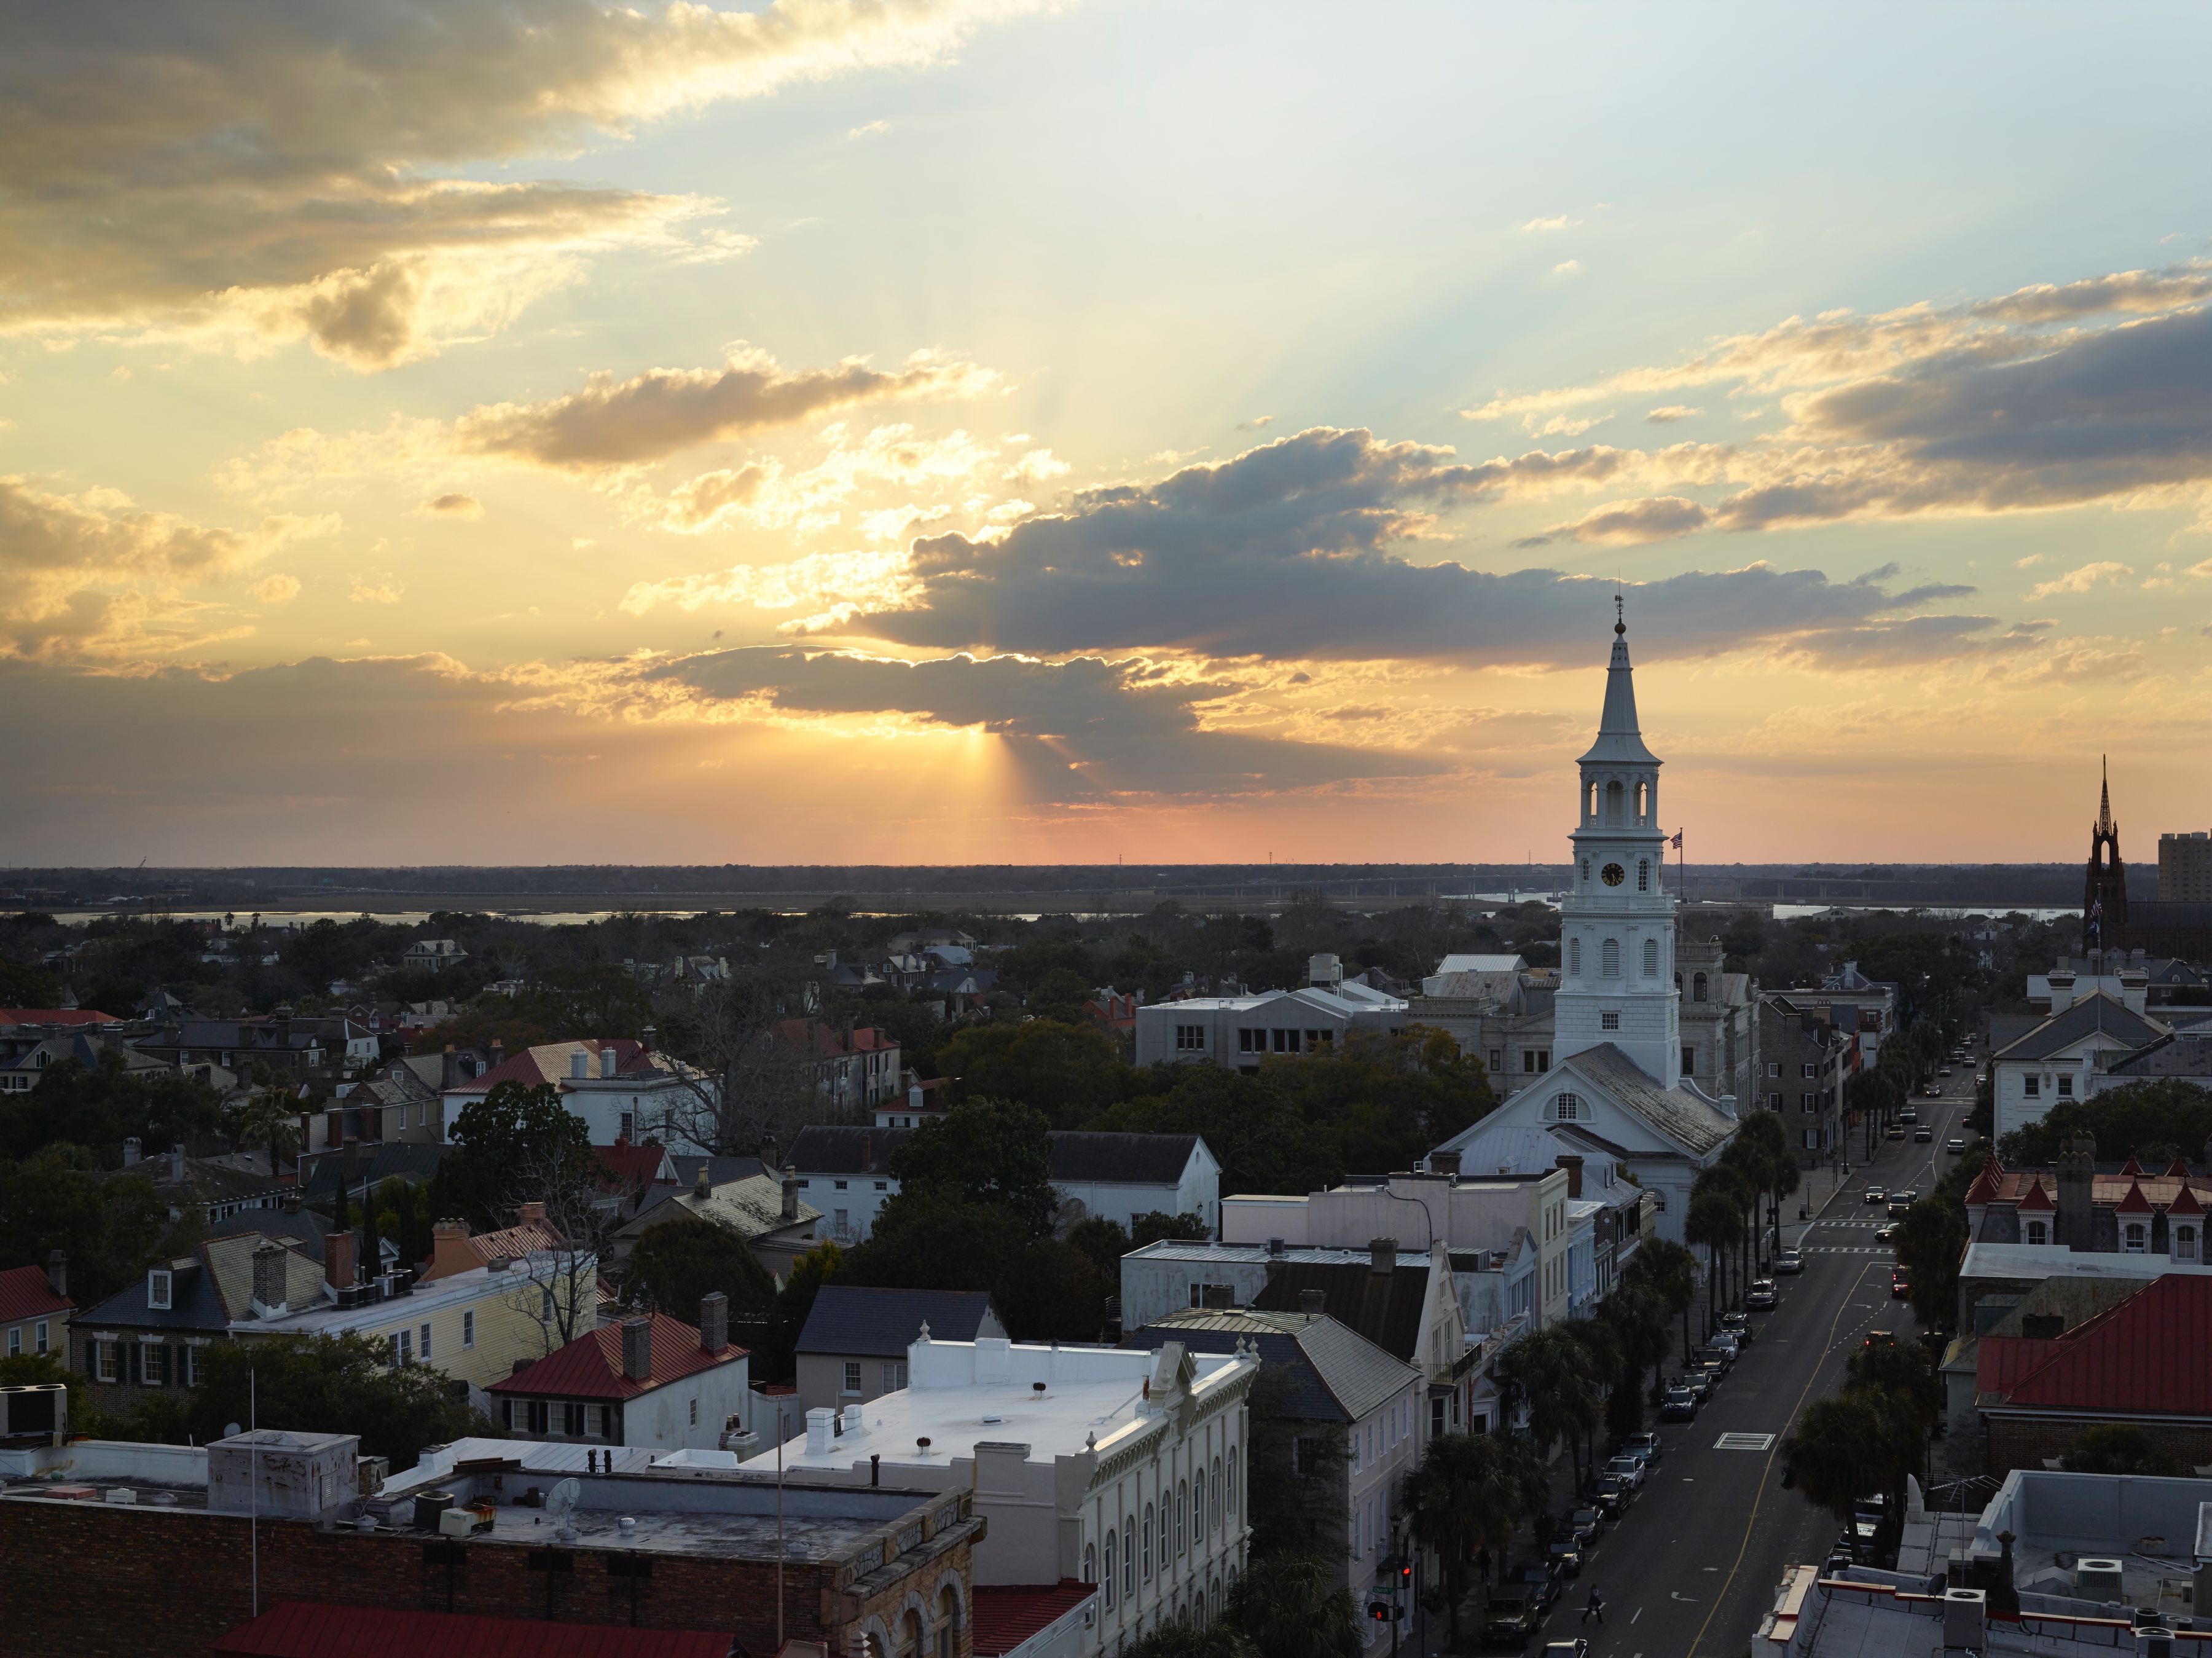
x=1751 y=1519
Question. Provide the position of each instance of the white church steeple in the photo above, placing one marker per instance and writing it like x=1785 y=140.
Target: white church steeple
x=1617 y=924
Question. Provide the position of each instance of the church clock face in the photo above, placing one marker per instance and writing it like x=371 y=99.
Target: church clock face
x=1612 y=875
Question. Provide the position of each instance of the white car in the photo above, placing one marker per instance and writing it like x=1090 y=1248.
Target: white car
x=1629 y=1469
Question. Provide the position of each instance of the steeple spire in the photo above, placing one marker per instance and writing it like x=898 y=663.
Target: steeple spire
x=2104 y=824
x=1619 y=739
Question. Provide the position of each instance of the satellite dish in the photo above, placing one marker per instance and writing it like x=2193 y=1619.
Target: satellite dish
x=559 y=1503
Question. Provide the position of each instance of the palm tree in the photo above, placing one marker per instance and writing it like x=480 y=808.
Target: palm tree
x=1219 y=1639
x=1670 y=1272
x=1464 y=1496
x=1545 y=1374
x=267 y=1118
x=1291 y=1607
x=1601 y=1357
x=1847 y=1447
x=1711 y=1223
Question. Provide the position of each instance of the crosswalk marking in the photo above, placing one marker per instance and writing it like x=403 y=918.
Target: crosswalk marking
x=1742 y=1442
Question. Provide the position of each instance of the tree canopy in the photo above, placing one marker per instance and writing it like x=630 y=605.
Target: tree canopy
x=326 y=1384
x=513 y=1128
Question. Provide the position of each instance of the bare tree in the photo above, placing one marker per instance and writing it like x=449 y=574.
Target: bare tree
x=558 y=1286
x=746 y=1090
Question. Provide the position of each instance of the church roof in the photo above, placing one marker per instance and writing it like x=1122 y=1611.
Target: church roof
x=1675 y=1114
x=2097 y=1015
x=1620 y=739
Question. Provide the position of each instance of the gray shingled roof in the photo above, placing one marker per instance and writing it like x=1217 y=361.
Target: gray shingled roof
x=1675 y=1112
x=836 y=1149
x=2089 y=1016
x=1385 y=1308
x=861 y=1321
x=1125 y=1159
x=1333 y=1374
x=408 y=1160
x=2189 y=1056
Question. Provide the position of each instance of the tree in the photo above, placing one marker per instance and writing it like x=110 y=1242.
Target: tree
x=100 y=1106
x=1263 y=1140
x=1713 y=1223
x=1290 y=1607
x=269 y=1116
x=324 y=1384
x=1070 y=1072
x=1843 y=1449
x=1463 y=1497
x=512 y=1138
x=111 y=1227
x=2117 y=1448
x=1670 y=1272
x=983 y=1152
x=1219 y=1639
x=676 y=1263
x=1543 y=1375
x=2154 y=1118
x=1905 y=1372
x=748 y=1089
x=557 y=1282
x=817 y=1266
x=1931 y=1245
x=1156 y=1224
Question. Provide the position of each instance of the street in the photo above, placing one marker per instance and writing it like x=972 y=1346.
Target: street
x=1694 y=1565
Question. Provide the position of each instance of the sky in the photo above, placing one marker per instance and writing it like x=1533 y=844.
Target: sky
x=966 y=431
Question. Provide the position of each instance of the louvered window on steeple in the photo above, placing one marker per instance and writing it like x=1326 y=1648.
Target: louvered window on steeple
x=1644 y=875
x=1650 y=958
x=1609 y=959
x=1574 y=958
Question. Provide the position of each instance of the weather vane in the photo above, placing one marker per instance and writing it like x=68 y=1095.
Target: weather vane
x=1619 y=614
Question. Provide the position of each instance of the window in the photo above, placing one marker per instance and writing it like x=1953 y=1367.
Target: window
x=400 y=1344
x=539 y=1413
x=2028 y=1086
x=841 y=1186
x=1609 y=1020
x=2134 y=1243
x=1700 y=988
x=1585 y=871
x=2038 y=1232
x=2185 y=1249
x=1148 y=1543
x=1575 y=957
x=188 y=1365
x=607 y=1421
x=883 y=1186
x=1689 y=1061
x=1190 y=1038
x=695 y=1412
x=1808 y=1070
x=2065 y=1086
x=1810 y=1102
x=1614 y=794
x=1774 y=1067
x=469 y=1329
x=1109 y=1579
x=840 y=1219
x=423 y=1338
x=1774 y=1101
x=1128 y=1557
x=894 y=1377
x=1232 y=1482
x=157 y=1289
x=1497 y=1060
x=1251 y=1041
x=572 y=1419
x=852 y=1375
x=545 y=1306
x=628 y=1123
x=1285 y=1042
x=1090 y=1562
x=1650 y=958
x=1536 y=1061
x=1643 y=869
x=1320 y=1041
x=1567 y=1108
x=1182 y=1502
x=103 y=1361
x=40 y=1334
x=1609 y=958
x=14 y=1341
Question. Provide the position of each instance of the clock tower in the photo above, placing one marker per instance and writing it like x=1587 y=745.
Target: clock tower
x=1617 y=924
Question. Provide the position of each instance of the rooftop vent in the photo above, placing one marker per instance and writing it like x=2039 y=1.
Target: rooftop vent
x=2097 y=1577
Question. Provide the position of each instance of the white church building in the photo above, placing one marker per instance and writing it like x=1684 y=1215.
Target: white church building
x=1615 y=1085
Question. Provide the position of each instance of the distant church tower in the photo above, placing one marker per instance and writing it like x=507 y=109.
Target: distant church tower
x=2104 y=890
x=1617 y=924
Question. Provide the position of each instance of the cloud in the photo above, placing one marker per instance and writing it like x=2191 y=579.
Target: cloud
x=658 y=413
x=868 y=131
x=384 y=589
x=276 y=589
x=452 y=504
x=1669 y=414
x=1559 y=223
x=1567 y=268
x=1628 y=523
x=241 y=179
x=2079 y=581
x=1257 y=424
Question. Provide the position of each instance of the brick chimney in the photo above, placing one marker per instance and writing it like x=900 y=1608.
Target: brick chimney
x=1312 y=1302
x=1382 y=1256
x=702 y=1186
x=449 y=1249
x=338 y=1262
x=714 y=1322
x=449 y=1070
x=529 y=1214
x=57 y=1274
x=637 y=1348
x=790 y=1193
x=1573 y=1165
x=269 y=1272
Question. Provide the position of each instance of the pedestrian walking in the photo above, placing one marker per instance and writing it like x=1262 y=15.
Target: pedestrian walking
x=1595 y=1608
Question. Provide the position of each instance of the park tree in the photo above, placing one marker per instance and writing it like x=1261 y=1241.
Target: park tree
x=983 y=1152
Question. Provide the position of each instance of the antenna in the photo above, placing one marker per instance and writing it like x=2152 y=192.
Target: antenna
x=559 y=1503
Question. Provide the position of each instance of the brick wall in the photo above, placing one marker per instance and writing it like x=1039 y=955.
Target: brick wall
x=2025 y=1442
x=96 y=1582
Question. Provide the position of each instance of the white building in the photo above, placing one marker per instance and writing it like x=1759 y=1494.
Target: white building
x=619 y=1089
x=2058 y=1058
x=1242 y=1031
x=1117 y=1468
x=652 y=1383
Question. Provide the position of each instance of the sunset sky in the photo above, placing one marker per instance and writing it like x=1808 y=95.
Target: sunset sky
x=957 y=431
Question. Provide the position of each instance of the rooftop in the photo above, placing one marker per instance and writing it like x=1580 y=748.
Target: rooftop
x=883 y=1323
x=591 y=1366
x=25 y=1293
x=1004 y=1616
x=307 y=1629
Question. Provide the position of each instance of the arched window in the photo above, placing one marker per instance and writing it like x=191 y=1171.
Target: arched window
x=1128 y=1557
x=1147 y=1556
x=1236 y=1490
x=1613 y=796
x=908 y=1639
x=948 y=1614
x=1198 y=1511
x=1567 y=1108
x=1644 y=875
x=2037 y=1233
x=1215 y=1504
x=1108 y=1581
x=2134 y=1245
x=2185 y=1243
x=1699 y=988
x=1574 y=958
x=1609 y=958
x=1650 y=958
x=1643 y=801
x=1182 y=1502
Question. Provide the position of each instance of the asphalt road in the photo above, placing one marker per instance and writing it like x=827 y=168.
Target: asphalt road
x=1692 y=1566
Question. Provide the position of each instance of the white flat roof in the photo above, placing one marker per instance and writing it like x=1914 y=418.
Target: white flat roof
x=2048 y=1260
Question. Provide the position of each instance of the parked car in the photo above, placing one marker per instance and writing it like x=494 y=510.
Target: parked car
x=1715 y=1356
x=1762 y=1297
x=1577 y=1648
x=1954 y=1145
x=1740 y=1326
x=1875 y=1194
x=1586 y=1525
x=1645 y=1445
x=1789 y=1261
x=1629 y=1468
x=1713 y=1370
x=1611 y=1497
x=1922 y=1134
x=1566 y=1556
x=1728 y=1342
x=1541 y=1580
x=1678 y=1405
x=1513 y=1617
x=1900 y=1282
x=1894 y=1131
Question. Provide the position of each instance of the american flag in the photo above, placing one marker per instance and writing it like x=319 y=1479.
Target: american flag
x=1677 y=842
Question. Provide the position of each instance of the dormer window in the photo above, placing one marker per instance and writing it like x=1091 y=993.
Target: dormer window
x=2185 y=1243
x=157 y=1290
x=2134 y=1242
x=2038 y=1232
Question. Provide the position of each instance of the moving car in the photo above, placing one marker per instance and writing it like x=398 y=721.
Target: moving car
x=1645 y=1445
x=1678 y=1405
x=1762 y=1296
x=1954 y=1144
x=1908 y=1114
x=1922 y=1134
x=1577 y=1648
x=1906 y=1194
x=1512 y=1618
x=1894 y=1131
x=1888 y=1234
x=1875 y=1194
x=1789 y=1261
x=1945 y=1072
x=1900 y=1282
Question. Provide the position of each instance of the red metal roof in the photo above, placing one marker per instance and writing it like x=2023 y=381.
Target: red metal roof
x=2132 y=1168
x=2145 y=1355
x=2187 y=1203
x=2134 y=1202
x=69 y=1016
x=590 y=1367
x=2037 y=1197
x=25 y=1293
x=302 y=1629
x=1004 y=1616
x=2000 y=1361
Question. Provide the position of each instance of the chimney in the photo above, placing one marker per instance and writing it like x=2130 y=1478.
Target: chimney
x=1312 y=1302
x=131 y=1153
x=176 y=1165
x=1443 y=1162
x=714 y=1322
x=703 y=1187
x=606 y=1064
x=1382 y=1256
x=2077 y=1174
x=57 y=1274
x=867 y=1152
x=913 y=1096
x=2062 y=989
x=2135 y=988
x=337 y=1263
x=268 y=1272
x=578 y=1063
x=497 y=1055
x=449 y=1249
x=1573 y=1165
x=790 y=1193
x=637 y=1348
x=821 y=1423
x=529 y=1214
x=449 y=1069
